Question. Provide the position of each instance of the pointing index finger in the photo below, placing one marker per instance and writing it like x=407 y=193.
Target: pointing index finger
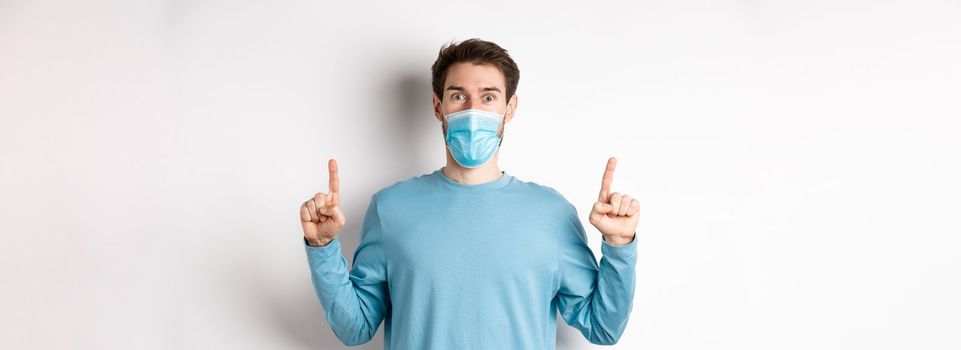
x=334 y=181
x=606 y=181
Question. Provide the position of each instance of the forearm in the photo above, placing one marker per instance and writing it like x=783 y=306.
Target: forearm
x=614 y=297
x=604 y=317
x=353 y=322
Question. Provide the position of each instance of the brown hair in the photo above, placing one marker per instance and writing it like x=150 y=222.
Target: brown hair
x=475 y=51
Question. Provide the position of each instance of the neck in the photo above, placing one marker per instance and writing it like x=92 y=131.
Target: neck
x=472 y=176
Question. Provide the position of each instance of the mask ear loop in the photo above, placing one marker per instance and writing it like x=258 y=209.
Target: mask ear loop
x=504 y=123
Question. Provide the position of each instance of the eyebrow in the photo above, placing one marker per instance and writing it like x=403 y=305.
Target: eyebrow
x=486 y=88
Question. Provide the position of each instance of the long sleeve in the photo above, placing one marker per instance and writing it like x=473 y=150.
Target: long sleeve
x=356 y=303
x=597 y=300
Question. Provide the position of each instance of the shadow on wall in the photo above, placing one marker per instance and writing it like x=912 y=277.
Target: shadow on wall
x=298 y=315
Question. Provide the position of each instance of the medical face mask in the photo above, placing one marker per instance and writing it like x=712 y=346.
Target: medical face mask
x=472 y=136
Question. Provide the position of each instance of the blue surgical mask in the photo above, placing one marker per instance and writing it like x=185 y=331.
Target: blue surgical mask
x=472 y=136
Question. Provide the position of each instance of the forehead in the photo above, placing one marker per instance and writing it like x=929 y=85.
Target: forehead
x=472 y=76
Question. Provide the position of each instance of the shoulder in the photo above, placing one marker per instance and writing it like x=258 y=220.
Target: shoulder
x=557 y=208
x=543 y=194
x=404 y=188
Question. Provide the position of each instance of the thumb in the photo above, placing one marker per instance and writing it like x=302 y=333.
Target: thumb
x=602 y=208
x=337 y=215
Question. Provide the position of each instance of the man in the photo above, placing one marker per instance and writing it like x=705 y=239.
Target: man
x=468 y=256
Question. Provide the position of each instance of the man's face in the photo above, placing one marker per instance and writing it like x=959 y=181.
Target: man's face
x=471 y=85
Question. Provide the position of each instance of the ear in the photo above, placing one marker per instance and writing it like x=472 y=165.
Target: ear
x=437 y=113
x=511 y=107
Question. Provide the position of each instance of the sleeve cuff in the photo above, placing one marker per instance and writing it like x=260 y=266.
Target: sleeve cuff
x=627 y=250
x=332 y=248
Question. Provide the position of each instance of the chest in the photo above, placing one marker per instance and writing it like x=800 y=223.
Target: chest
x=475 y=244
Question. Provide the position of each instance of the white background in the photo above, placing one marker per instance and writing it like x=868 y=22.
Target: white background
x=796 y=161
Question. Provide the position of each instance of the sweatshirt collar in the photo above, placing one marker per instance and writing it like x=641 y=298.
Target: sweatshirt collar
x=447 y=182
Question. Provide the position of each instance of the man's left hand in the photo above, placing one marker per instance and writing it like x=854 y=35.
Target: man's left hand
x=614 y=214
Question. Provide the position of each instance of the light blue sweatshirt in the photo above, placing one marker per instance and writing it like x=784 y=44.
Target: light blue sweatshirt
x=452 y=266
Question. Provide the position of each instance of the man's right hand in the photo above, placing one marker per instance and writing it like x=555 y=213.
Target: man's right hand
x=321 y=215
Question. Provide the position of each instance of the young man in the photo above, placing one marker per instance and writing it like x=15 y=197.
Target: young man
x=468 y=256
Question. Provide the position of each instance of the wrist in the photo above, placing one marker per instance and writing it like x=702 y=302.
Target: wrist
x=618 y=241
x=318 y=242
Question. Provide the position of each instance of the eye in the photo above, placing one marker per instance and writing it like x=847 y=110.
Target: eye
x=489 y=98
x=457 y=96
